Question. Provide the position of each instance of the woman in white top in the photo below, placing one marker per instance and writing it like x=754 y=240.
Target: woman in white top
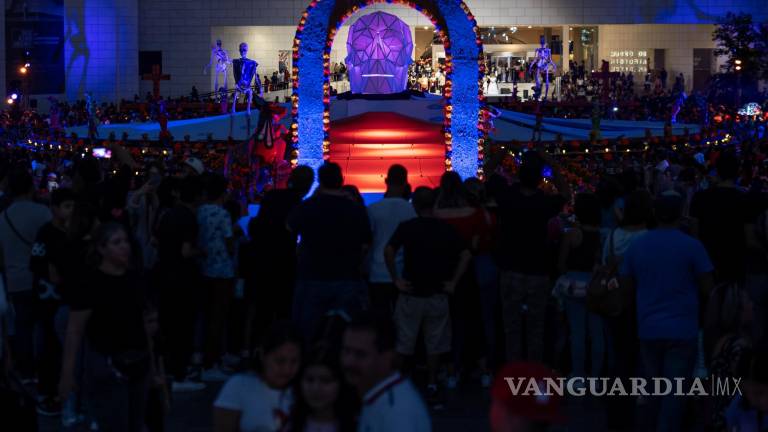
x=261 y=401
x=493 y=86
x=634 y=220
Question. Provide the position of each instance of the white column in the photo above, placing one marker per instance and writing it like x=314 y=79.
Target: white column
x=566 y=37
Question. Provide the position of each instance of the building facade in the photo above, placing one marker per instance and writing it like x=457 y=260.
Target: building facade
x=107 y=43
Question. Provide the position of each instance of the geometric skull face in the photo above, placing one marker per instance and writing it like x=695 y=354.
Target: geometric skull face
x=379 y=50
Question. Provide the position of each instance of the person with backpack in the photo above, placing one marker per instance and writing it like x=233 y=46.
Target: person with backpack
x=621 y=326
x=19 y=224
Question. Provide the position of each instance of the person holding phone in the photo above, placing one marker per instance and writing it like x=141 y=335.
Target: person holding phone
x=102 y=153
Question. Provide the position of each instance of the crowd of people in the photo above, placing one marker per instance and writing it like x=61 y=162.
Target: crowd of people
x=424 y=78
x=132 y=279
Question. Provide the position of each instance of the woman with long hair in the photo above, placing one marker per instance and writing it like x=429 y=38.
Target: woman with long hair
x=470 y=223
x=260 y=400
x=324 y=401
x=729 y=323
x=486 y=270
x=108 y=311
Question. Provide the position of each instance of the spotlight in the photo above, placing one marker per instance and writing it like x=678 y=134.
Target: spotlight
x=530 y=26
x=426 y=28
x=26 y=65
x=615 y=109
x=10 y=101
x=23 y=70
x=14 y=96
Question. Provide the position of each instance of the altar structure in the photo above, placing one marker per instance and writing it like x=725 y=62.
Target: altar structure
x=463 y=132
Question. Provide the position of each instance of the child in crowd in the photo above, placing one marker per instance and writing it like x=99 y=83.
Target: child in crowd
x=324 y=400
x=261 y=400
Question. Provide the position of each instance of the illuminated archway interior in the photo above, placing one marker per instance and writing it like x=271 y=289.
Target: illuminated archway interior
x=462 y=133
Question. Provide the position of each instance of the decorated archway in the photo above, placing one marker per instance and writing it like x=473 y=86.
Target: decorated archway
x=464 y=102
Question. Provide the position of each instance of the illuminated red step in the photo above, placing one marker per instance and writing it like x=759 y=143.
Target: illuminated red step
x=368 y=144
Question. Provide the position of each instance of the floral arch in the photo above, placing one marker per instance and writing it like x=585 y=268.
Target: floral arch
x=464 y=101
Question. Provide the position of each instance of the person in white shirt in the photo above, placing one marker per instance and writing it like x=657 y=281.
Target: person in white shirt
x=19 y=224
x=261 y=401
x=385 y=216
x=390 y=401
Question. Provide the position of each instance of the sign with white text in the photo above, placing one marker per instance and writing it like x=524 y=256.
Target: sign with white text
x=628 y=60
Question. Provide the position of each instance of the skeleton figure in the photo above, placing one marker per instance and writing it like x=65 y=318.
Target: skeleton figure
x=679 y=101
x=221 y=58
x=244 y=71
x=543 y=62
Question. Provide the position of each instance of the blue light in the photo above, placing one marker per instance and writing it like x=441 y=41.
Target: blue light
x=14 y=96
x=466 y=106
x=310 y=65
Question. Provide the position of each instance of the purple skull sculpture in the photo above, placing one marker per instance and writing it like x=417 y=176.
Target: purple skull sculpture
x=379 y=50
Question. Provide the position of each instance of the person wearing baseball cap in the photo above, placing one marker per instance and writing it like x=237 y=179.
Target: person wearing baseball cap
x=524 y=412
x=192 y=166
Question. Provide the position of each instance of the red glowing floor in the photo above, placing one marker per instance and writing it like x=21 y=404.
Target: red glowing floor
x=367 y=145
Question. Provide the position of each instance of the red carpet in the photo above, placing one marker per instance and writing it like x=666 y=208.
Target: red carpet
x=366 y=145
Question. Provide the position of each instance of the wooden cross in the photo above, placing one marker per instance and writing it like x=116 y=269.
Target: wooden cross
x=155 y=77
x=605 y=75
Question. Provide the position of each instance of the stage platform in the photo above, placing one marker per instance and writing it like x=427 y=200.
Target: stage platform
x=239 y=126
x=367 y=136
x=510 y=126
